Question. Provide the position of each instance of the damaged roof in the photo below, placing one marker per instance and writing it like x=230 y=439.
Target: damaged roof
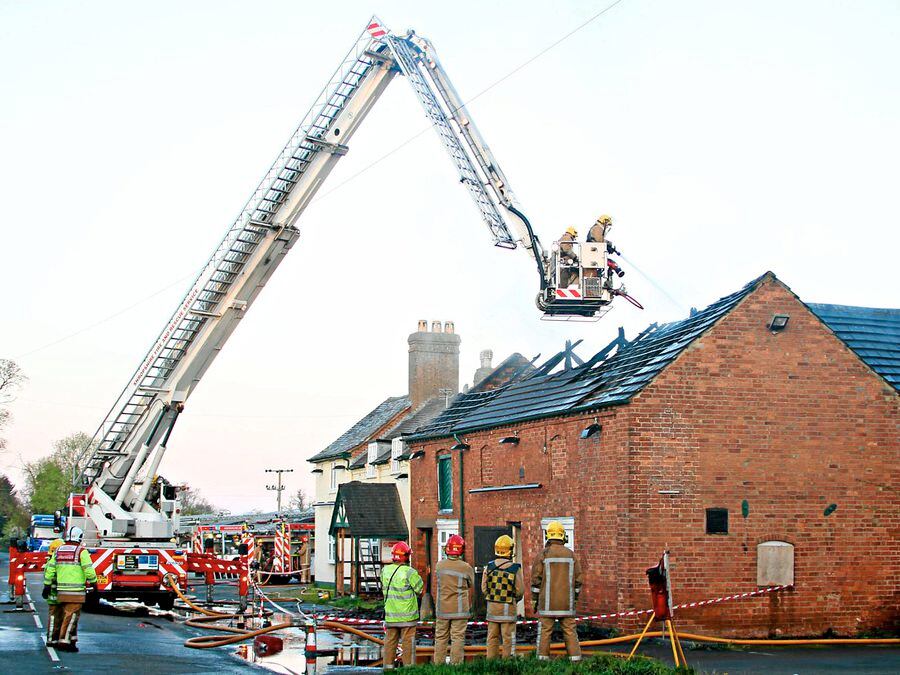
x=369 y=510
x=601 y=381
x=364 y=429
x=874 y=334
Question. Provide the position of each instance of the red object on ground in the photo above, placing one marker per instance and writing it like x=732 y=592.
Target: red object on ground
x=267 y=645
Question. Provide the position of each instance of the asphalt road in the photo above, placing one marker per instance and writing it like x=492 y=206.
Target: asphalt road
x=117 y=642
x=108 y=642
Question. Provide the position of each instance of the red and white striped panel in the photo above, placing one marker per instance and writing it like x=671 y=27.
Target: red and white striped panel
x=376 y=30
x=278 y=560
x=250 y=541
x=568 y=294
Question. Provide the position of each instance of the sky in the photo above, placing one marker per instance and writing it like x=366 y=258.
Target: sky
x=725 y=139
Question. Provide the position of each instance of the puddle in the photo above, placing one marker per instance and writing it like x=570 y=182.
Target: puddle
x=337 y=652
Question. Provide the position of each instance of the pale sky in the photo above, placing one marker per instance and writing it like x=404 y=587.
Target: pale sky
x=725 y=138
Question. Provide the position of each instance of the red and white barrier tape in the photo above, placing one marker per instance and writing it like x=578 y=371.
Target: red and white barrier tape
x=591 y=617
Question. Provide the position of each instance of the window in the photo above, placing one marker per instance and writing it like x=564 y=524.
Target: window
x=445 y=483
x=445 y=529
x=716 y=521
x=568 y=523
x=397 y=448
x=371 y=470
x=334 y=478
x=774 y=563
x=332 y=545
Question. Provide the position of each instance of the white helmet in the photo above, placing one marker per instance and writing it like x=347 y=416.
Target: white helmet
x=75 y=534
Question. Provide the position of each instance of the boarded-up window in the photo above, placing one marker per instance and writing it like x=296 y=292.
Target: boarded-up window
x=774 y=563
x=716 y=521
x=559 y=457
x=445 y=483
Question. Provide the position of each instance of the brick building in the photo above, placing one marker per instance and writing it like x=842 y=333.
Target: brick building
x=756 y=439
x=373 y=450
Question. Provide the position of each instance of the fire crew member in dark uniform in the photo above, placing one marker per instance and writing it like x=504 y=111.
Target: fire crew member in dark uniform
x=502 y=586
x=555 y=585
x=455 y=580
x=70 y=569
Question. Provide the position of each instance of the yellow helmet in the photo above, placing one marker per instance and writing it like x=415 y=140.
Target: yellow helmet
x=555 y=530
x=572 y=231
x=504 y=546
x=55 y=544
x=604 y=220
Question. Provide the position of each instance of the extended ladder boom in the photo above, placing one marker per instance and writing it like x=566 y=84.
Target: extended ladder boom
x=122 y=461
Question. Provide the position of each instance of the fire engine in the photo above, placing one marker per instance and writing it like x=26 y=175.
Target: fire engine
x=130 y=512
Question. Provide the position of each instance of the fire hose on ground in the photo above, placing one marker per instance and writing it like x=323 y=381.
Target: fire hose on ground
x=241 y=634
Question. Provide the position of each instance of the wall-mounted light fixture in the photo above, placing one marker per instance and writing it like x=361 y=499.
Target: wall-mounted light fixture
x=318 y=471
x=401 y=476
x=778 y=322
x=592 y=429
x=417 y=454
x=510 y=440
x=459 y=445
x=342 y=467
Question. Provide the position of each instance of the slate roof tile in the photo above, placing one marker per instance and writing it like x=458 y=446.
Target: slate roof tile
x=364 y=429
x=874 y=334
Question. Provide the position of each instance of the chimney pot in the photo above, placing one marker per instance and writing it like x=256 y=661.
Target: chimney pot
x=486 y=357
x=448 y=327
x=423 y=326
x=435 y=326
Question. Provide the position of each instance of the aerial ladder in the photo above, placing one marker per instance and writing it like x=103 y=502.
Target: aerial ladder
x=127 y=504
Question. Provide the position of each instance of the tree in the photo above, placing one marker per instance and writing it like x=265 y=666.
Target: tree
x=193 y=503
x=49 y=487
x=300 y=501
x=13 y=516
x=70 y=453
x=11 y=380
x=51 y=479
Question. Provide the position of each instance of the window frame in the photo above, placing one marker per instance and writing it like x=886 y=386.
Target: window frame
x=443 y=460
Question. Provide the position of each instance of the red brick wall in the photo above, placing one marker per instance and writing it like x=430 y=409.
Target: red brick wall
x=790 y=422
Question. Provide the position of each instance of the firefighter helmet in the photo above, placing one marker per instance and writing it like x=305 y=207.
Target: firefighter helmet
x=400 y=552
x=504 y=546
x=55 y=544
x=455 y=545
x=572 y=231
x=555 y=530
x=75 y=534
x=604 y=221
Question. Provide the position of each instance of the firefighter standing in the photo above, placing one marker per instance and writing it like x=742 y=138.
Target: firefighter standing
x=555 y=585
x=455 y=580
x=402 y=587
x=502 y=587
x=70 y=568
x=54 y=609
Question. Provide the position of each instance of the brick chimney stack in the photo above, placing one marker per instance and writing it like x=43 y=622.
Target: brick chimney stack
x=433 y=361
x=486 y=368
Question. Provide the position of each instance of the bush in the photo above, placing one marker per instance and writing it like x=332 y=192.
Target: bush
x=608 y=665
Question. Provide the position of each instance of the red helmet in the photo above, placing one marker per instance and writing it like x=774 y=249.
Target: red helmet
x=455 y=545
x=400 y=552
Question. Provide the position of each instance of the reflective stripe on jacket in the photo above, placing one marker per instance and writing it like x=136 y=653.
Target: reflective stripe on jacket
x=70 y=568
x=556 y=580
x=401 y=585
x=455 y=578
x=502 y=586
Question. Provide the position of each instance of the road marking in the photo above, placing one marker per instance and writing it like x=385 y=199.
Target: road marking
x=51 y=652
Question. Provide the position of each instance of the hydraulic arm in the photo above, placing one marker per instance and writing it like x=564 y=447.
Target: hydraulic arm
x=120 y=467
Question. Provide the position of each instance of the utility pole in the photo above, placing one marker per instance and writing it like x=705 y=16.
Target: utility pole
x=278 y=488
